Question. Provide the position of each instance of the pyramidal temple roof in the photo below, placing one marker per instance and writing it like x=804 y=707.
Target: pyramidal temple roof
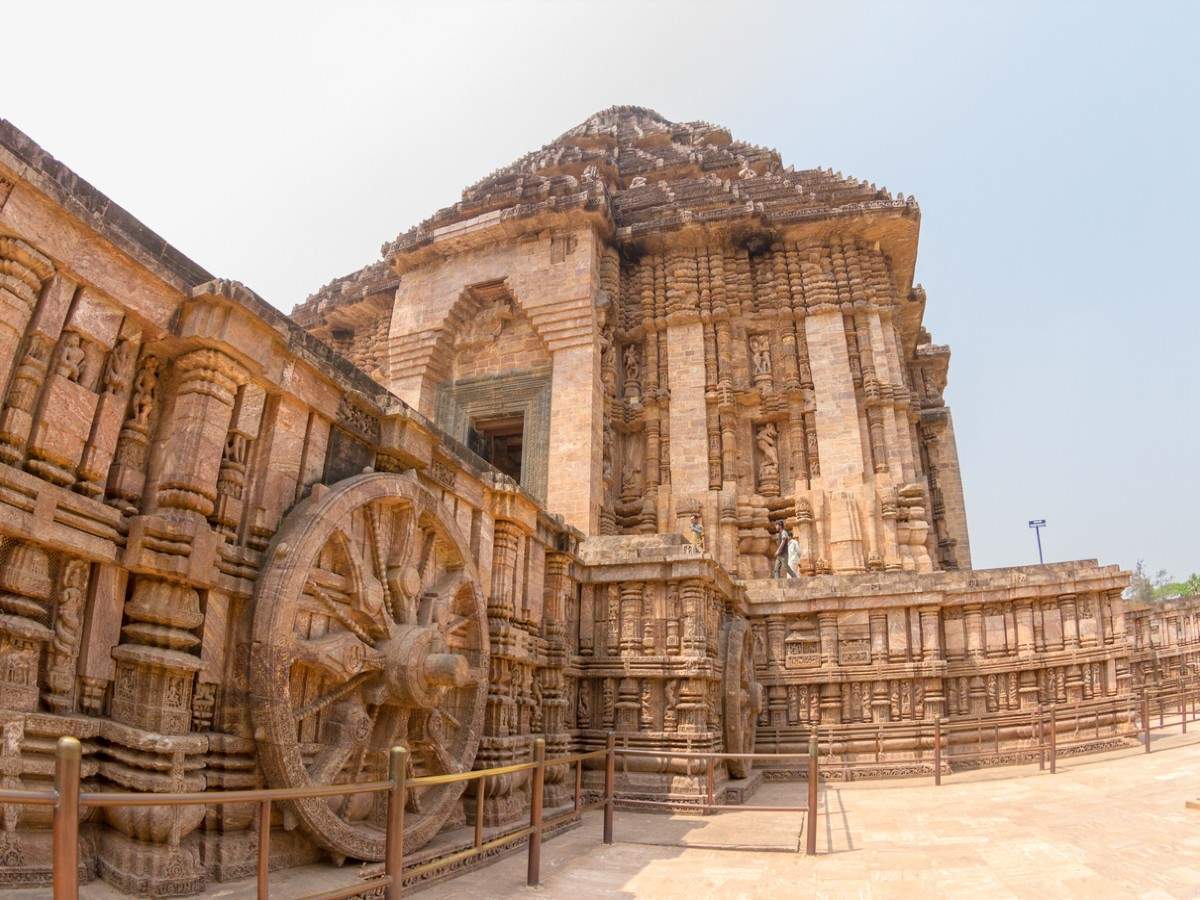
x=638 y=173
x=650 y=173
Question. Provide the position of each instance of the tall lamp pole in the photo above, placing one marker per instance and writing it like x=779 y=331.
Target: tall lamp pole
x=1037 y=525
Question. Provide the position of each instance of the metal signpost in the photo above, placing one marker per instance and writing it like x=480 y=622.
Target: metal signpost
x=1037 y=525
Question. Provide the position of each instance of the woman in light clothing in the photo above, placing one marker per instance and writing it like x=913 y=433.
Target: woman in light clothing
x=793 y=553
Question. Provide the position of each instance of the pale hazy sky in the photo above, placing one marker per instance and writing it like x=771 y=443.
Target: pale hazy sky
x=1052 y=146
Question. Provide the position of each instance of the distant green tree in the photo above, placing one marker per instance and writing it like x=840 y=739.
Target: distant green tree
x=1189 y=587
x=1145 y=588
x=1141 y=589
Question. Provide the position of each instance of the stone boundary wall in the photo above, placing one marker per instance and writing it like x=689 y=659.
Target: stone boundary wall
x=894 y=653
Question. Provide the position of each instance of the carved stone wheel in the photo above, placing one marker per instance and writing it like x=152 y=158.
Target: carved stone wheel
x=370 y=630
x=743 y=698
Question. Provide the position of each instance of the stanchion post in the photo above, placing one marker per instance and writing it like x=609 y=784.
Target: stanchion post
x=534 y=869
x=1041 y=738
x=480 y=794
x=1182 y=706
x=393 y=858
x=610 y=777
x=810 y=835
x=937 y=751
x=1146 y=719
x=65 y=859
x=264 y=849
x=709 y=783
x=1053 y=740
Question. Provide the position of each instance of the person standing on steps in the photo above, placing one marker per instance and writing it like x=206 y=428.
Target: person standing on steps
x=781 y=566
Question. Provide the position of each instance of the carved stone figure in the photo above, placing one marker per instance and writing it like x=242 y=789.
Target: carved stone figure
x=119 y=367
x=633 y=371
x=71 y=357
x=485 y=326
x=144 y=389
x=760 y=354
x=765 y=439
x=64 y=647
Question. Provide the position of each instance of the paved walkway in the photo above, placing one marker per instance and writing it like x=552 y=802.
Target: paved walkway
x=1110 y=826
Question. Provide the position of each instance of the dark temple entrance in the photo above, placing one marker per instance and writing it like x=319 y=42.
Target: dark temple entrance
x=499 y=440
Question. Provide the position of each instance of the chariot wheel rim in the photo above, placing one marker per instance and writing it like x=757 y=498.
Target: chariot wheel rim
x=369 y=630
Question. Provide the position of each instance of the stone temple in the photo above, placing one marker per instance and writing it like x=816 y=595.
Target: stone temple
x=518 y=478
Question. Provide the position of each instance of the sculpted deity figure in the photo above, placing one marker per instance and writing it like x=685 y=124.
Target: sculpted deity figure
x=633 y=371
x=486 y=325
x=766 y=439
x=537 y=704
x=143 y=391
x=118 y=368
x=760 y=354
x=632 y=364
x=584 y=707
x=70 y=359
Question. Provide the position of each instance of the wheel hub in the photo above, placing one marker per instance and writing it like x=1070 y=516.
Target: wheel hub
x=419 y=668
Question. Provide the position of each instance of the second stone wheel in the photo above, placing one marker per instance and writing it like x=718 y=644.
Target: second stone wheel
x=743 y=697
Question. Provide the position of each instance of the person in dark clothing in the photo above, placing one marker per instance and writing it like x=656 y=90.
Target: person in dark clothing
x=780 y=568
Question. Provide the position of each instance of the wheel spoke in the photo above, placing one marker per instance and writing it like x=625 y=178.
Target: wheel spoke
x=436 y=602
x=341 y=655
x=445 y=760
x=375 y=531
x=347 y=729
x=321 y=702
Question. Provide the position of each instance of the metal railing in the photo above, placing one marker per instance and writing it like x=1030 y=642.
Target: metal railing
x=1044 y=740
x=67 y=799
x=709 y=803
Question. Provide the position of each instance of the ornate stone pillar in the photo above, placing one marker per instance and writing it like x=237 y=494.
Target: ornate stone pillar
x=631 y=617
x=878 y=629
x=504 y=562
x=688 y=410
x=587 y=638
x=827 y=629
x=231 y=481
x=776 y=632
x=973 y=617
x=935 y=700
x=23 y=273
x=1024 y=615
x=25 y=599
x=931 y=634
x=208 y=382
x=672 y=616
x=127 y=477
x=63 y=657
x=93 y=470
x=157 y=657
x=831 y=703
x=33 y=365
x=692 y=594
x=1070 y=624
